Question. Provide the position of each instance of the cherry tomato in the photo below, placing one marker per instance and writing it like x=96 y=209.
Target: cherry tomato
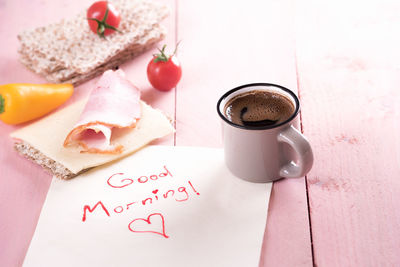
x=164 y=72
x=103 y=18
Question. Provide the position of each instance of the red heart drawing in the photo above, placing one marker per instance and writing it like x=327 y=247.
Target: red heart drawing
x=162 y=233
x=155 y=191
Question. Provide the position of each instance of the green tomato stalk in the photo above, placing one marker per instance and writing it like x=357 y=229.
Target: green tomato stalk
x=102 y=25
x=162 y=56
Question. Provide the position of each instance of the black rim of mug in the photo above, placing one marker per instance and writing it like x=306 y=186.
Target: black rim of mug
x=224 y=96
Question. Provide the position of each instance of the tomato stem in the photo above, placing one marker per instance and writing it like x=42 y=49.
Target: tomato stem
x=2 y=104
x=102 y=25
x=162 y=56
x=176 y=48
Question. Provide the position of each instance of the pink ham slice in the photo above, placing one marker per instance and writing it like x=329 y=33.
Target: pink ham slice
x=113 y=103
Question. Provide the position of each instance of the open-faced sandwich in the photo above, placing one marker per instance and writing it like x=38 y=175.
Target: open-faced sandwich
x=113 y=122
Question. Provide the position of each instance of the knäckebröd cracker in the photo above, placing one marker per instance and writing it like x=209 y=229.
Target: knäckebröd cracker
x=66 y=50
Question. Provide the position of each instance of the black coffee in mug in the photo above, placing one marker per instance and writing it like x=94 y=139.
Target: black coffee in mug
x=259 y=109
x=261 y=141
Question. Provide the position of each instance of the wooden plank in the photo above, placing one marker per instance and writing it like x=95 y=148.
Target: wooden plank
x=348 y=64
x=23 y=185
x=226 y=45
x=136 y=70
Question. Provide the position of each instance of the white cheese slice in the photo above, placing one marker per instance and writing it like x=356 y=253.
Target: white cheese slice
x=48 y=134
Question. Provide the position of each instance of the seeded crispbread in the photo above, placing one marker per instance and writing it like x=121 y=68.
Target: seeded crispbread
x=67 y=51
x=70 y=76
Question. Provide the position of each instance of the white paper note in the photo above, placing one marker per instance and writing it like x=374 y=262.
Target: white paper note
x=162 y=206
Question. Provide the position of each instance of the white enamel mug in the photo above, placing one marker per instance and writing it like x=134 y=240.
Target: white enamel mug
x=267 y=153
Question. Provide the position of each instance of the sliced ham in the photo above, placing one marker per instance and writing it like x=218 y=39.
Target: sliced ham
x=113 y=103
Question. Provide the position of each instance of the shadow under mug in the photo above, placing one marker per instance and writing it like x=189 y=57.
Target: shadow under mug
x=267 y=153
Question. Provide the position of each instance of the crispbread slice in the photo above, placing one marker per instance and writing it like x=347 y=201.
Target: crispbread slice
x=70 y=76
x=33 y=142
x=70 y=45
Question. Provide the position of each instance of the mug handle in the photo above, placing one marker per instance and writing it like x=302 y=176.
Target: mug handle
x=299 y=143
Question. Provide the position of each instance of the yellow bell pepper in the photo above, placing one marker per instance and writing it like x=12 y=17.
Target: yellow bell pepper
x=22 y=102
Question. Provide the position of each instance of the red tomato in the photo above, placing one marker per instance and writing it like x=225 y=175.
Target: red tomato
x=164 y=72
x=98 y=21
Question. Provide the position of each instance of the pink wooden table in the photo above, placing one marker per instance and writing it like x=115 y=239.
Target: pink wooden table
x=343 y=60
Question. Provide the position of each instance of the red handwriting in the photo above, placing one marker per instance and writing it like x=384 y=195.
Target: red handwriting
x=169 y=191
x=118 y=209
x=127 y=205
x=193 y=188
x=129 y=181
x=154 y=223
x=183 y=190
x=147 y=199
x=87 y=208
x=154 y=228
x=179 y=195
x=118 y=180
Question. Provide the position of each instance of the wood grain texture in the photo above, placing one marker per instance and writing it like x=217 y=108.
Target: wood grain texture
x=222 y=46
x=23 y=185
x=226 y=45
x=349 y=75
